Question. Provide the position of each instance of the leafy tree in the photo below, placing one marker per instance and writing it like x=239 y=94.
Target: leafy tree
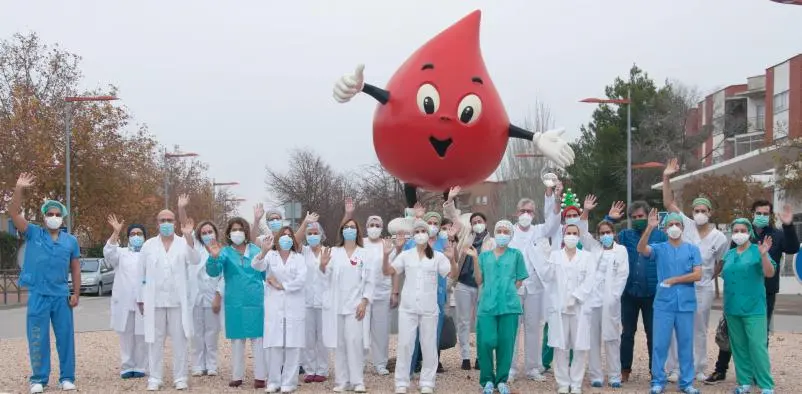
x=731 y=195
x=790 y=167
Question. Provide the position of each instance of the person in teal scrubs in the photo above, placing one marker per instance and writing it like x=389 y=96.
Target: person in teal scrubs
x=50 y=256
x=744 y=271
x=499 y=273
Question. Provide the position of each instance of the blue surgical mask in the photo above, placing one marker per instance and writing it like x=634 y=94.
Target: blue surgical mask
x=136 y=241
x=166 y=229
x=502 y=239
x=443 y=234
x=349 y=234
x=312 y=239
x=207 y=238
x=607 y=240
x=274 y=225
x=285 y=242
x=572 y=220
x=761 y=221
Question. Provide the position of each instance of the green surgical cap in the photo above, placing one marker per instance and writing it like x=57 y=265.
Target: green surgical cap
x=702 y=201
x=746 y=223
x=52 y=203
x=673 y=217
x=433 y=214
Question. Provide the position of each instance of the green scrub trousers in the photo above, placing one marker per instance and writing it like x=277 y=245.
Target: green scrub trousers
x=496 y=333
x=748 y=346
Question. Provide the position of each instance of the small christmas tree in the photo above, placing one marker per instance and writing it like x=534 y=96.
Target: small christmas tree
x=570 y=200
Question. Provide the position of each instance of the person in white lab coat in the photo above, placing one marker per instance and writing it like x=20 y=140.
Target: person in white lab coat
x=125 y=317
x=379 y=313
x=605 y=326
x=163 y=297
x=203 y=295
x=418 y=312
x=524 y=238
x=569 y=276
x=349 y=289
x=315 y=357
x=285 y=310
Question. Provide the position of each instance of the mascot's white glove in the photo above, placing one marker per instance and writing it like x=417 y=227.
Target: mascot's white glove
x=554 y=147
x=349 y=85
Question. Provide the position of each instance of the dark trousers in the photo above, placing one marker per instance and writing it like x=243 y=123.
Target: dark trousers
x=724 y=356
x=630 y=307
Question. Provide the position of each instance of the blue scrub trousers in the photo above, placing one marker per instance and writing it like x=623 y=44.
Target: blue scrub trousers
x=664 y=324
x=441 y=305
x=42 y=310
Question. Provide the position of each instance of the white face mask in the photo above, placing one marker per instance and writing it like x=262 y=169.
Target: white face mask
x=700 y=219
x=374 y=232
x=674 y=232
x=740 y=238
x=571 y=241
x=421 y=238
x=479 y=228
x=237 y=237
x=54 y=222
x=572 y=220
x=525 y=219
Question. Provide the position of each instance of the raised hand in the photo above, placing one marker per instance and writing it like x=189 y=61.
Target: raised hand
x=654 y=220
x=183 y=201
x=765 y=246
x=267 y=242
x=558 y=189
x=25 y=180
x=787 y=215
x=449 y=251
x=453 y=192
x=187 y=227
x=672 y=167
x=419 y=210
x=617 y=210
x=471 y=251
x=400 y=239
x=117 y=225
x=311 y=217
x=349 y=85
x=349 y=206
x=590 y=202
x=325 y=257
x=214 y=249
x=258 y=211
x=388 y=246
x=555 y=148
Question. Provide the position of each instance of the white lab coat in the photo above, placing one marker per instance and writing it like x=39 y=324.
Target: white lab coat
x=348 y=281
x=315 y=280
x=197 y=273
x=179 y=257
x=566 y=278
x=285 y=310
x=126 y=286
x=611 y=278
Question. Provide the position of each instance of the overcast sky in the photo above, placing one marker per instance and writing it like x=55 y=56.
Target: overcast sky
x=258 y=75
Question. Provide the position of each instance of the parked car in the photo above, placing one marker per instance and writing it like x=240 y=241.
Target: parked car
x=97 y=277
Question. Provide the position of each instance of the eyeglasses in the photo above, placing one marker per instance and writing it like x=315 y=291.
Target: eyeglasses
x=523 y=211
x=166 y=220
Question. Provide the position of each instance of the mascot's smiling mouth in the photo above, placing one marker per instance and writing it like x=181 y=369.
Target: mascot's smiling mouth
x=440 y=146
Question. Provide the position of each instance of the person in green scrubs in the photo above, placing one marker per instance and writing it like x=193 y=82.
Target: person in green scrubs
x=744 y=270
x=499 y=273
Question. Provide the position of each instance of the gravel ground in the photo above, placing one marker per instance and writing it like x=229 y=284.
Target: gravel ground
x=98 y=359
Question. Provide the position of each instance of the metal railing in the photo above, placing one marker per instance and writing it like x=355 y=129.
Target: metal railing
x=12 y=293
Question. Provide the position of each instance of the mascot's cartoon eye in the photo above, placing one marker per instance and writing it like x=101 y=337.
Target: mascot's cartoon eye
x=428 y=99
x=469 y=109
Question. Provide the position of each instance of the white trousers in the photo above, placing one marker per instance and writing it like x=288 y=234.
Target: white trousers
x=612 y=352
x=204 y=341
x=379 y=332
x=168 y=321
x=408 y=326
x=533 y=335
x=238 y=359
x=133 y=348
x=701 y=324
x=284 y=363
x=315 y=354
x=569 y=376
x=349 y=356
x=466 y=298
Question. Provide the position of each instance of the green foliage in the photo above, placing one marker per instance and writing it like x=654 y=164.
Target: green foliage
x=8 y=250
x=93 y=251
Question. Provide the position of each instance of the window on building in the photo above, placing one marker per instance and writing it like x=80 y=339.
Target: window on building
x=484 y=200
x=478 y=200
x=760 y=117
x=781 y=102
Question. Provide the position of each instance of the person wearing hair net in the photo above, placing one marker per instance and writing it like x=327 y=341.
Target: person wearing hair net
x=499 y=273
x=418 y=312
x=712 y=244
x=51 y=255
x=678 y=266
x=125 y=317
x=379 y=313
x=315 y=357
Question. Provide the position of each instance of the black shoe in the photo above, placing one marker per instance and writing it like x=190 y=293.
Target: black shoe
x=301 y=371
x=476 y=365
x=440 y=368
x=417 y=368
x=715 y=378
x=466 y=365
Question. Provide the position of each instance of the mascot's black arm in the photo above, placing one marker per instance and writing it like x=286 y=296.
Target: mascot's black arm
x=517 y=132
x=379 y=94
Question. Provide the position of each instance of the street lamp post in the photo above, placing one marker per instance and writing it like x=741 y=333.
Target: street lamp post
x=628 y=102
x=68 y=134
x=173 y=155
x=214 y=192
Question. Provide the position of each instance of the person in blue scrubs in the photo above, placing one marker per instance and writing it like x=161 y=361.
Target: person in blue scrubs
x=678 y=267
x=50 y=256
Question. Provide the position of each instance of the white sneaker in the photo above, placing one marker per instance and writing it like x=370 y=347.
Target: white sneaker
x=563 y=390
x=340 y=389
x=182 y=385
x=287 y=389
x=400 y=390
x=382 y=371
x=673 y=377
x=38 y=388
x=197 y=373
x=211 y=373
x=360 y=388
x=426 y=390
x=153 y=386
x=271 y=388
x=536 y=376
x=701 y=377
x=67 y=386
x=576 y=390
